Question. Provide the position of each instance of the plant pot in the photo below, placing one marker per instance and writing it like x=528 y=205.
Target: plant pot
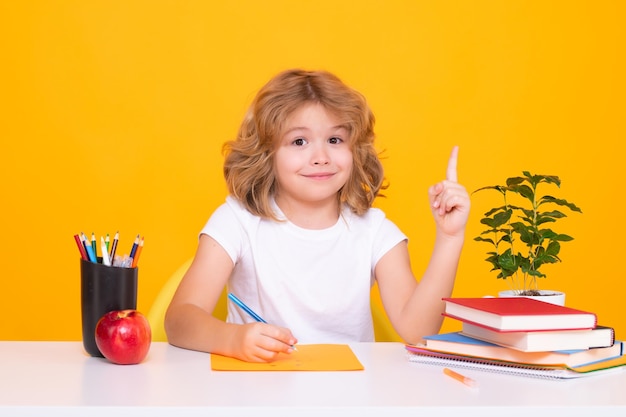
x=548 y=296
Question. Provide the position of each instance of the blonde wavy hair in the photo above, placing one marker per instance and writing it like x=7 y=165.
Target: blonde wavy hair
x=249 y=159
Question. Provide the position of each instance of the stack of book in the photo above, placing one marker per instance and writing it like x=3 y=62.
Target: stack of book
x=522 y=336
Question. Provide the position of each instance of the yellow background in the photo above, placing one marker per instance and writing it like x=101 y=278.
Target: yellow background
x=114 y=112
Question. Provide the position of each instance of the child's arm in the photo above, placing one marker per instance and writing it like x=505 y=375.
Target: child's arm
x=189 y=322
x=415 y=309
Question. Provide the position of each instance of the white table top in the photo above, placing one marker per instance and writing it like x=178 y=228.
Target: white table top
x=59 y=378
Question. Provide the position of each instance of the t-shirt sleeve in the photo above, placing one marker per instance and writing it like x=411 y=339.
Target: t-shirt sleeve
x=224 y=227
x=386 y=236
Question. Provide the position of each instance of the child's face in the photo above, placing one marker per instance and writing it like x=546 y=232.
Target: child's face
x=313 y=159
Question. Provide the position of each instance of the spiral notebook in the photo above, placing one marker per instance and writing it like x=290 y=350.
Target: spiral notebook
x=420 y=355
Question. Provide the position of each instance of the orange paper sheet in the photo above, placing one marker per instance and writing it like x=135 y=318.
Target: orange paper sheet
x=320 y=357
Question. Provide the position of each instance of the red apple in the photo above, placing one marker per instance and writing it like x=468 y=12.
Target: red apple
x=124 y=336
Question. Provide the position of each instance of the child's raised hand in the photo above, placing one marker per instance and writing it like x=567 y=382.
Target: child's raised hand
x=449 y=200
x=260 y=342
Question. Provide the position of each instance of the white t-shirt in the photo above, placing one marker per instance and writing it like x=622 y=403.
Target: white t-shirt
x=316 y=283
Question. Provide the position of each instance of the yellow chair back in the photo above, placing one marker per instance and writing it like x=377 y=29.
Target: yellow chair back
x=383 y=330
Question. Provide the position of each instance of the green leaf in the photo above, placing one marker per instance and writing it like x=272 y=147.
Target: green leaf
x=504 y=238
x=505 y=274
x=551 y=179
x=508 y=262
x=554 y=214
x=514 y=181
x=493 y=260
x=547 y=234
x=489 y=232
x=482 y=239
x=498 y=188
x=527 y=234
x=523 y=263
x=563 y=238
x=542 y=256
x=537 y=179
x=553 y=248
x=502 y=218
x=560 y=202
x=525 y=191
x=495 y=210
x=488 y=222
x=543 y=220
x=535 y=273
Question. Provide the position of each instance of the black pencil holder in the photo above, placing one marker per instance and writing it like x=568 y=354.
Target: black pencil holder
x=103 y=289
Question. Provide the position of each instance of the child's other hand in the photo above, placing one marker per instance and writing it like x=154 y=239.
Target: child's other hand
x=260 y=342
x=449 y=201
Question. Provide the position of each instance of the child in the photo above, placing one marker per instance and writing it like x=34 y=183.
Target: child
x=297 y=239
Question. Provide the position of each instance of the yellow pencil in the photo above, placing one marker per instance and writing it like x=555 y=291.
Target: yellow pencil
x=461 y=378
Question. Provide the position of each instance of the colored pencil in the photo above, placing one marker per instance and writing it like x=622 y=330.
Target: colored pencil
x=89 y=249
x=137 y=253
x=105 y=255
x=134 y=248
x=114 y=246
x=83 y=239
x=94 y=246
x=461 y=378
x=81 y=248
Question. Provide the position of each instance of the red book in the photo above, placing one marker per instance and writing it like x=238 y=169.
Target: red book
x=508 y=314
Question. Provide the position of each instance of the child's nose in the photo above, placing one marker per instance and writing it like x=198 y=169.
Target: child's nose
x=320 y=156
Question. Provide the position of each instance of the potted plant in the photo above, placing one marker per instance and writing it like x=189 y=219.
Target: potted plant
x=520 y=235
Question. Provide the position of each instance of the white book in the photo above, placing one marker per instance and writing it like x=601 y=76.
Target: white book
x=541 y=341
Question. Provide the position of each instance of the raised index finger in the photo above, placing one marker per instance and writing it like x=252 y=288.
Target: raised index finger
x=451 y=171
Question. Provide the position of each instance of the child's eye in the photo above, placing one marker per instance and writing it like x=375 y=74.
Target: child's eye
x=299 y=142
x=335 y=140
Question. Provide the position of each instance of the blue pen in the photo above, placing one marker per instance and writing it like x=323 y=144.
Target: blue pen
x=245 y=308
x=248 y=310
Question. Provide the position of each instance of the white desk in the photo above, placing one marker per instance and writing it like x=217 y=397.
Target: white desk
x=59 y=379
